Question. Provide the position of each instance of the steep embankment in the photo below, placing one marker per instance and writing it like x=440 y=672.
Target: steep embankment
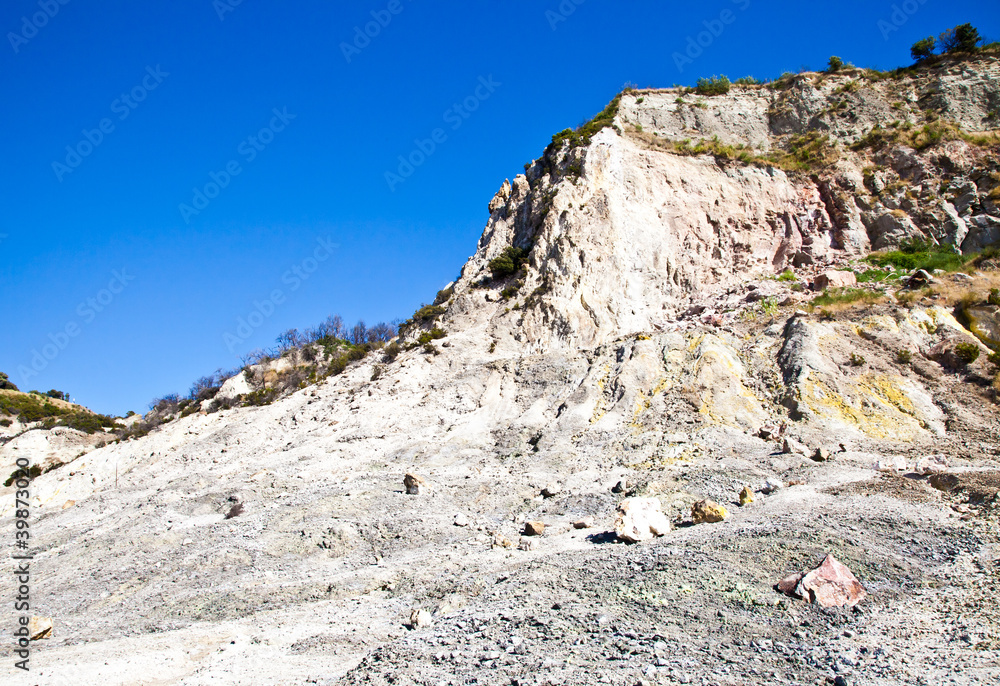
x=632 y=340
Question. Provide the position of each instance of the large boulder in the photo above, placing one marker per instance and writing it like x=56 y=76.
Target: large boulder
x=829 y=585
x=891 y=229
x=984 y=322
x=834 y=279
x=640 y=519
x=984 y=231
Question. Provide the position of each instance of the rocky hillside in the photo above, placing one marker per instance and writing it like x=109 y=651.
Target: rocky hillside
x=651 y=312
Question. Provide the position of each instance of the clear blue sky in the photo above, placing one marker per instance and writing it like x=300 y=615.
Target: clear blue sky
x=181 y=93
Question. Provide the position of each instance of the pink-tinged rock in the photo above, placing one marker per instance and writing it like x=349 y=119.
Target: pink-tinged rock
x=932 y=464
x=834 y=279
x=831 y=585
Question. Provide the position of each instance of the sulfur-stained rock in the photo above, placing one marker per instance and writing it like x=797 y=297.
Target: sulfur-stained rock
x=746 y=496
x=501 y=541
x=640 y=519
x=707 y=511
x=984 y=322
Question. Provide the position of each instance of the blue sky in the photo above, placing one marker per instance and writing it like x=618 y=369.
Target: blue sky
x=120 y=122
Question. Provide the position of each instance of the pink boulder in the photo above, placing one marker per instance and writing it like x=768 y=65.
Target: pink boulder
x=829 y=585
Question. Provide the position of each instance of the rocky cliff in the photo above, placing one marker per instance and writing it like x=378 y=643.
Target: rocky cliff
x=620 y=331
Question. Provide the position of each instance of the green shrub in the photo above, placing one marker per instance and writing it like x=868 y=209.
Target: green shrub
x=5 y=422
x=6 y=384
x=509 y=262
x=967 y=353
x=962 y=38
x=835 y=64
x=355 y=354
x=510 y=291
x=923 y=48
x=337 y=365
x=428 y=313
x=391 y=351
x=432 y=335
x=994 y=297
x=264 y=396
x=582 y=134
x=994 y=359
x=32 y=472
x=857 y=360
x=904 y=356
x=716 y=85
x=444 y=295
x=787 y=275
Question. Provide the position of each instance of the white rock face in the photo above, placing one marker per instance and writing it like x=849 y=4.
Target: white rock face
x=234 y=386
x=599 y=374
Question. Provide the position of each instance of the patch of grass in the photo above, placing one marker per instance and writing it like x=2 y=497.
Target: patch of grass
x=921 y=254
x=967 y=353
x=786 y=276
x=847 y=296
x=807 y=153
x=877 y=276
x=921 y=138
